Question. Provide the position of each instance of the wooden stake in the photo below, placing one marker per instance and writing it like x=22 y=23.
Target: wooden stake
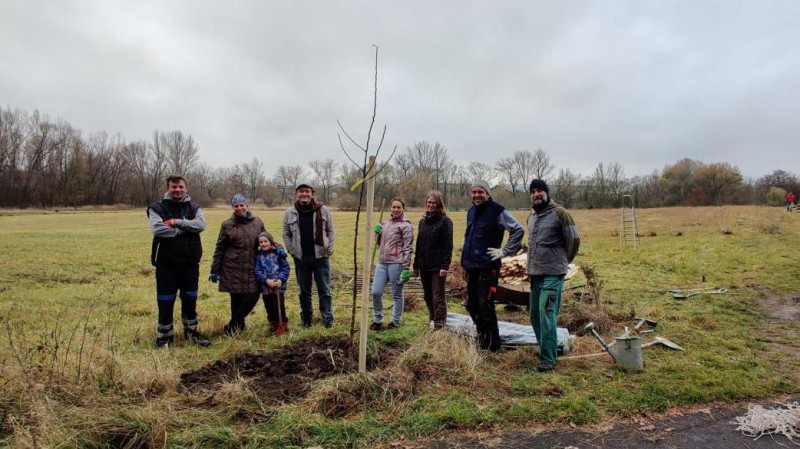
x=366 y=270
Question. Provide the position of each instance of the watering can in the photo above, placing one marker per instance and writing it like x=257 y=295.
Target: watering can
x=628 y=355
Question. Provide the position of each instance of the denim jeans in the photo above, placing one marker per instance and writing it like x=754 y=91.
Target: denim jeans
x=387 y=273
x=320 y=271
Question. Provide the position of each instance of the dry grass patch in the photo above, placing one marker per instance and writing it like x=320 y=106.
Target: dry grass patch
x=445 y=356
x=355 y=393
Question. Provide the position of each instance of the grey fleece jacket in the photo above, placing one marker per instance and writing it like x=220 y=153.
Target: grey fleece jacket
x=553 y=241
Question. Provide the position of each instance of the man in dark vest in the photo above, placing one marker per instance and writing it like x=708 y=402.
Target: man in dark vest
x=176 y=224
x=486 y=223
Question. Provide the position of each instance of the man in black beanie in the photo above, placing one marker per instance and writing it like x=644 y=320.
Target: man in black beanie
x=553 y=242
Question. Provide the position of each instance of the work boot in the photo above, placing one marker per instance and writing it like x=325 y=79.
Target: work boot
x=376 y=326
x=164 y=342
x=281 y=328
x=545 y=367
x=305 y=321
x=196 y=338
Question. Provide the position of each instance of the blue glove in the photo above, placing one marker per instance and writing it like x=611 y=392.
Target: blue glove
x=281 y=252
x=213 y=277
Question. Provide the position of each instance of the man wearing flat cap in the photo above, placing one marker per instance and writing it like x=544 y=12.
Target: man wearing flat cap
x=487 y=221
x=308 y=235
x=553 y=242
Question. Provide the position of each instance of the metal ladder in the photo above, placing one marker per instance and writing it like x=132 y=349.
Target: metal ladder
x=628 y=234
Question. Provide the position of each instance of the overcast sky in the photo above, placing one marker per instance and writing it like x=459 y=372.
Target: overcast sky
x=643 y=83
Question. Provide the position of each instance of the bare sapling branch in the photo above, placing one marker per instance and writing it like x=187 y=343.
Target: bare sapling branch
x=366 y=172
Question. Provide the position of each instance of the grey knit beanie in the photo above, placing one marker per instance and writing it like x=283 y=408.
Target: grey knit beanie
x=268 y=236
x=482 y=184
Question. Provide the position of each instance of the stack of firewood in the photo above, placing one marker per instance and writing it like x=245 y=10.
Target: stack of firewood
x=514 y=270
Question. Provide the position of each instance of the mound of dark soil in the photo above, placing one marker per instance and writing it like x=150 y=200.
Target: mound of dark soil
x=282 y=375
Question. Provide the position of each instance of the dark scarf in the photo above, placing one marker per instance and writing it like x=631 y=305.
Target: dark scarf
x=243 y=219
x=543 y=206
x=433 y=216
x=313 y=206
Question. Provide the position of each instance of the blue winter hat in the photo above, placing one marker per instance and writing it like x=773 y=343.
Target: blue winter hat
x=238 y=198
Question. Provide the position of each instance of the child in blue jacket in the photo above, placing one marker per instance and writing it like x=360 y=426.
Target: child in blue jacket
x=272 y=272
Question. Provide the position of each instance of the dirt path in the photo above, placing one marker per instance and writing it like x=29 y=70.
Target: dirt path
x=700 y=428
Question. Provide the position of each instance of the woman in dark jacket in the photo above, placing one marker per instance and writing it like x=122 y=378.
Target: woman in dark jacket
x=233 y=262
x=432 y=256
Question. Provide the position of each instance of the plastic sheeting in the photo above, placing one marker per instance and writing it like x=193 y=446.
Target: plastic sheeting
x=511 y=334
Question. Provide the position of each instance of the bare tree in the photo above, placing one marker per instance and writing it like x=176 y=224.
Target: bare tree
x=567 y=189
x=149 y=166
x=507 y=170
x=479 y=170
x=648 y=190
x=365 y=170
x=181 y=151
x=286 y=177
x=14 y=132
x=404 y=166
x=524 y=164
x=254 y=178
x=542 y=167
x=323 y=171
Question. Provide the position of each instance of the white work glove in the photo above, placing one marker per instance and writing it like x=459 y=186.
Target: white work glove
x=495 y=253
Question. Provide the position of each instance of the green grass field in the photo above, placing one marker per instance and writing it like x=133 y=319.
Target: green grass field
x=79 y=368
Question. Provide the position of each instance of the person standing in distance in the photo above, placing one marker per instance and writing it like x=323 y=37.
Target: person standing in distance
x=176 y=224
x=433 y=256
x=553 y=242
x=487 y=221
x=309 y=235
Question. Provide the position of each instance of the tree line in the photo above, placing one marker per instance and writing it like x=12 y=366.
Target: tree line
x=47 y=163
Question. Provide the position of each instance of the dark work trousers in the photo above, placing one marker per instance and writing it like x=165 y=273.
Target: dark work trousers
x=170 y=279
x=271 y=302
x=241 y=306
x=481 y=286
x=433 y=292
x=545 y=303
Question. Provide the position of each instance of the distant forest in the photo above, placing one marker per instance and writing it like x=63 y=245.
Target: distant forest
x=48 y=163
